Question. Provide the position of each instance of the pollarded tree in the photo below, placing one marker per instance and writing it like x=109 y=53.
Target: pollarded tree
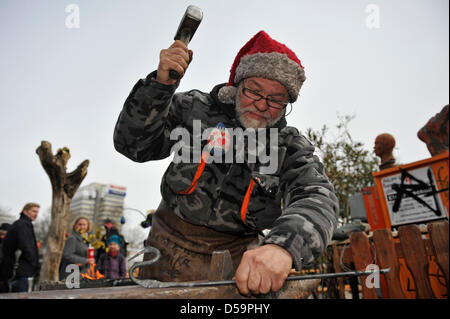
x=64 y=186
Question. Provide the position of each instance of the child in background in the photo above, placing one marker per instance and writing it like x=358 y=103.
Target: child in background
x=112 y=264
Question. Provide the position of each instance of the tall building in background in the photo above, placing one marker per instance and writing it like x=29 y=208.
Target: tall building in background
x=98 y=202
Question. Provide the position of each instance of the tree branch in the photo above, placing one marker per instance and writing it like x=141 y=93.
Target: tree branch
x=74 y=179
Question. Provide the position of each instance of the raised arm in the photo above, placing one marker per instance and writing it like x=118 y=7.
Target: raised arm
x=152 y=110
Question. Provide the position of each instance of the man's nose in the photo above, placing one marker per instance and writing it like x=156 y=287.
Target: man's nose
x=261 y=105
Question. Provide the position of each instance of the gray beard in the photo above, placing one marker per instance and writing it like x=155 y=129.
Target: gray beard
x=247 y=122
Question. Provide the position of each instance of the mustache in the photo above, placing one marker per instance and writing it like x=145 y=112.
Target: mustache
x=254 y=110
x=258 y=113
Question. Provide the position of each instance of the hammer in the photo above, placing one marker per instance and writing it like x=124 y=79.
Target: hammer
x=188 y=25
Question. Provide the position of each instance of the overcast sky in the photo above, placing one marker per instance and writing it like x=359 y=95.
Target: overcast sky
x=384 y=61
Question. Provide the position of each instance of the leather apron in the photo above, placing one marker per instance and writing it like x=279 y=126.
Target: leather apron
x=186 y=249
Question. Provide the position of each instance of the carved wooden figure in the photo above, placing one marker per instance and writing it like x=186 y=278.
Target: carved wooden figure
x=384 y=145
x=435 y=133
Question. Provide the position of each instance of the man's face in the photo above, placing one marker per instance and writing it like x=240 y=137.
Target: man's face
x=32 y=213
x=258 y=114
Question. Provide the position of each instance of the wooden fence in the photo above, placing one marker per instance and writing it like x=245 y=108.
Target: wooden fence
x=418 y=261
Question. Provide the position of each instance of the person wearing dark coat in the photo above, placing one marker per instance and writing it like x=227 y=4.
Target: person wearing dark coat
x=111 y=229
x=3 y=231
x=113 y=264
x=76 y=248
x=221 y=190
x=20 y=252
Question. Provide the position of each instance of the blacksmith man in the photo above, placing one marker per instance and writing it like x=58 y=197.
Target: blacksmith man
x=215 y=206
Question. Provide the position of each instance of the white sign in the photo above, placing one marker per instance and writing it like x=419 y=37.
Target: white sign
x=410 y=209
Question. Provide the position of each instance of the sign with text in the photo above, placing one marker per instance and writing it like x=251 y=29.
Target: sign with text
x=414 y=193
x=117 y=190
x=411 y=197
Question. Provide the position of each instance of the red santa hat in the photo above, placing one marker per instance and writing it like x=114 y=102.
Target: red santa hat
x=264 y=57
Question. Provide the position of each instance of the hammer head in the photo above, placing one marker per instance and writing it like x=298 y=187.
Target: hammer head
x=189 y=24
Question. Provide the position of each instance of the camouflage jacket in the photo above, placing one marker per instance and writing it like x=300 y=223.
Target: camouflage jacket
x=297 y=203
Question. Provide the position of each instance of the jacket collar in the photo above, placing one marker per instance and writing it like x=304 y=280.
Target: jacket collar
x=25 y=217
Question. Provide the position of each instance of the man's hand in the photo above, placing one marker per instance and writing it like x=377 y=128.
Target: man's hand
x=177 y=58
x=263 y=269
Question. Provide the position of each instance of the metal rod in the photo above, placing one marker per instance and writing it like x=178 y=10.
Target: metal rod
x=151 y=283
x=300 y=277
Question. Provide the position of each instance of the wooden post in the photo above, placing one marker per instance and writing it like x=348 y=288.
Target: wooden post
x=64 y=186
x=337 y=268
x=415 y=255
x=362 y=257
x=387 y=258
x=221 y=267
x=439 y=238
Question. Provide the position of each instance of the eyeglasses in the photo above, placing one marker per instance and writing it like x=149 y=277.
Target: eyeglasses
x=255 y=96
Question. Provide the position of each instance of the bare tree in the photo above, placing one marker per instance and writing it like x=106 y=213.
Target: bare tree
x=64 y=186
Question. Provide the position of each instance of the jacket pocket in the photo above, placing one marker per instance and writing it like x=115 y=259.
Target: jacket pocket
x=262 y=202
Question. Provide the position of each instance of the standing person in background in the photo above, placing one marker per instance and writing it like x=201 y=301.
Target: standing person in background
x=110 y=230
x=20 y=252
x=76 y=247
x=113 y=264
x=3 y=231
